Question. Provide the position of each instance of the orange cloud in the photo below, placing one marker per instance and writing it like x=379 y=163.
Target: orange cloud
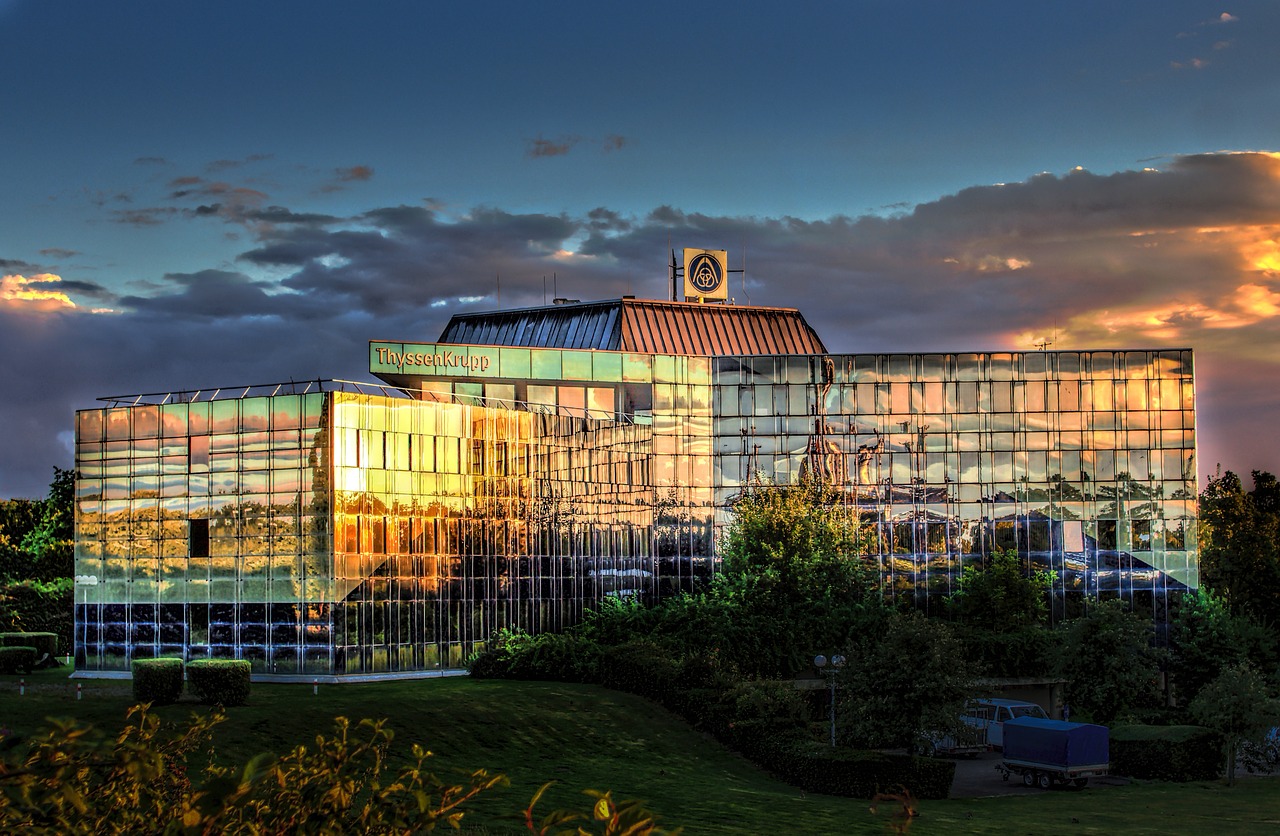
x=36 y=292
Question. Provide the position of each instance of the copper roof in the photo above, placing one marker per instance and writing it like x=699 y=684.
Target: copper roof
x=646 y=326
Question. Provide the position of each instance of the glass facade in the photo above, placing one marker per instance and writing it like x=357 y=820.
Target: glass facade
x=346 y=533
x=1082 y=462
x=323 y=530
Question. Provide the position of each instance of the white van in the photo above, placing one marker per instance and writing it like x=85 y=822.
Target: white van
x=990 y=714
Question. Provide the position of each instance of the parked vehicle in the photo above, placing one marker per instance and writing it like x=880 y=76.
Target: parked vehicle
x=1054 y=752
x=991 y=715
x=967 y=741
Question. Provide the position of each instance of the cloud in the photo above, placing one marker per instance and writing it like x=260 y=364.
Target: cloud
x=226 y=165
x=614 y=142
x=58 y=252
x=542 y=147
x=1226 y=17
x=343 y=176
x=354 y=173
x=37 y=293
x=1192 y=64
x=153 y=216
x=150 y=161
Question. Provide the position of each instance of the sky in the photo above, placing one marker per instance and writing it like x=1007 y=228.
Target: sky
x=234 y=193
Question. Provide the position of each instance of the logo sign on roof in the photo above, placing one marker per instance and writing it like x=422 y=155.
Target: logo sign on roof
x=705 y=272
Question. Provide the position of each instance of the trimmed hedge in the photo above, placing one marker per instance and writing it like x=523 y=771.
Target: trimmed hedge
x=46 y=645
x=818 y=767
x=157 y=681
x=1166 y=753
x=219 y=681
x=17 y=659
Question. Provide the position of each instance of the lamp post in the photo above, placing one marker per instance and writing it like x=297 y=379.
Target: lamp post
x=837 y=662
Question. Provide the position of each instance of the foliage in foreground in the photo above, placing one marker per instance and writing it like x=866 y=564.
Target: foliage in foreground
x=71 y=781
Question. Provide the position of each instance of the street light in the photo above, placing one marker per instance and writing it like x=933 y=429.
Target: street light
x=837 y=662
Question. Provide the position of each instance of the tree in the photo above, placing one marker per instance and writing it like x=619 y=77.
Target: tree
x=57 y=515
x=1001 y=610
x=1238 y=705
x=1240 y=543
x=905 y=685
x=1000 y=596
x=1109 y=663
x=17 y=518
x=1207 y=638
x=794 y=576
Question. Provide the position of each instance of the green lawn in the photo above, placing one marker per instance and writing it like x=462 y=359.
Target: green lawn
x=589 y=737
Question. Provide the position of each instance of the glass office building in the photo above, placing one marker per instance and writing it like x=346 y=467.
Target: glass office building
x=530 y=462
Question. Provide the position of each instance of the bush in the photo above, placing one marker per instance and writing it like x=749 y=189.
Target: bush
x=17 y=659
x=157 y=681
x=643 y=667
x=219 y=681
x=1166 y=753
x=558 y=657
x=46 y=645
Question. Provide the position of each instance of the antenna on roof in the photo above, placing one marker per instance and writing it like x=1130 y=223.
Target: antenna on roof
x=499 y=275
x=544 y=288
x=744 y=272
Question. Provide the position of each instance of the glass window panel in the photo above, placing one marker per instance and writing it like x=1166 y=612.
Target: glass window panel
x=514 y=362
x=254 y=414
x=572 y=398
x=664 y=369
x=577 y=365
x=798 y=369
x=117 y=424
x=600 y=401
x=500 y=392
x=198 y=418
x=546 y=364
x=607 y=366
x=146 y=421
x=637 y=368
x=89 y=425
x=224 y=416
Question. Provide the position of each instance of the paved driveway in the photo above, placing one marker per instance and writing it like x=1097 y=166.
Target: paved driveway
x=978 y=777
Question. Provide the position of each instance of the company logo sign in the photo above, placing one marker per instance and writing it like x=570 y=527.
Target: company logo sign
x=419 y=358
x=704 y=274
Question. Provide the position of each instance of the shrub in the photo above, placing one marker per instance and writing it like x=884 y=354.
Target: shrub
x=1166 y=753
x=640 y=666
x=157 y=681
x=17 y=659
x=46 y=645
x=514 y=654
x=219 y=681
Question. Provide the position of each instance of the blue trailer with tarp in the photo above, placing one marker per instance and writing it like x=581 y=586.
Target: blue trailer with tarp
x=1054 y=752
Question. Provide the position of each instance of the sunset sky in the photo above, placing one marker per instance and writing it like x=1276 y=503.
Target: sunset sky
x=202 y=195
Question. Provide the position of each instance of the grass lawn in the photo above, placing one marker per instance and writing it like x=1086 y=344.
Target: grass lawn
x=589 y=737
